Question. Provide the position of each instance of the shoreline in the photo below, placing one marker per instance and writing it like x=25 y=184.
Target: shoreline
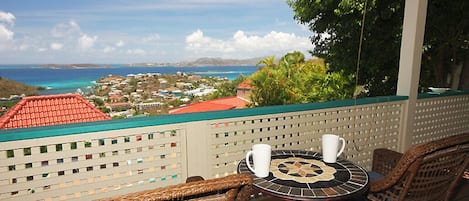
x=69 y=79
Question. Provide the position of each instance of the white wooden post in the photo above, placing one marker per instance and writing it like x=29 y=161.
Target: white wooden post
x=198 y=146
x=409 y=63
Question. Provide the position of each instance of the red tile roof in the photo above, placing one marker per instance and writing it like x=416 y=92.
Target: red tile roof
x=246 y=84
x=228 y=103
x=50 y=110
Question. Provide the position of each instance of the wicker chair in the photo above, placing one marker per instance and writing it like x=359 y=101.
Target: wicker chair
x=428 y=171
x=233 y=187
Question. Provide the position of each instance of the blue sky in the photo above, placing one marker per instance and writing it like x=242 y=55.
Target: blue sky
x=128 y=31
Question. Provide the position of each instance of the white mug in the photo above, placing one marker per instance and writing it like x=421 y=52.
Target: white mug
x=330 y=145
x=261 y=154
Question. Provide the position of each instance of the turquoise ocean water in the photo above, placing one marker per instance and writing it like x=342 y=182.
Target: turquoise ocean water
x=69 y=80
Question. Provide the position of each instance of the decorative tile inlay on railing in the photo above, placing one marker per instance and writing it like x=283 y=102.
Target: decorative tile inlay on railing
x=92 y=166
x=440 y=117
x=365 y=128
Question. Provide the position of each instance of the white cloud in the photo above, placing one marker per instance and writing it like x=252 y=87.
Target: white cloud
x=42 y=49
x=120 y=43
x=5 y=34
x=108 y=49
x=23 y=47
x=7 y=18
x=152 y=38
x=56 y=46
x=66 y=29
x=136 y=52
x=86 y=42
x=242 y=45
x=197 y=42
x=71 y=34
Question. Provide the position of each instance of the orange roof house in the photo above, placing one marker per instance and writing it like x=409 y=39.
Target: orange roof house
x=246 y=84
x=243 y=90
x=115 y=98
x=227 y=103
x=50 y=110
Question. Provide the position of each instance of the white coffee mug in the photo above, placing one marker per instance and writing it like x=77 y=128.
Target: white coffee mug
x=330 y=145
x=261 y=154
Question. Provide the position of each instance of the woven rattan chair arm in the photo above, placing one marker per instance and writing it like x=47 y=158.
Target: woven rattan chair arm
x=245 y=193
x=415 y=153
x=381 y=185
x=385 y=160
x=392 y=165
x=189 y=189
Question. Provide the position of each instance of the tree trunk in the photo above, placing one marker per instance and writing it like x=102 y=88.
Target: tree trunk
x=456 y=75
x=464 y=81
x=440 y=75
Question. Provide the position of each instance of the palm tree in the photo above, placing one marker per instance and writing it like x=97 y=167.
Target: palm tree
x=294 y=80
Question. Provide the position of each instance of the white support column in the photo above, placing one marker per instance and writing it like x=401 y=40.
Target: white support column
x=409 y=63
x=198 y=149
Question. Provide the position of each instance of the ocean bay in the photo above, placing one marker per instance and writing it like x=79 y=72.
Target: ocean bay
x=68 y=80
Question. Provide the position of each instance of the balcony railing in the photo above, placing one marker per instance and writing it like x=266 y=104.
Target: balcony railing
x=102 y=159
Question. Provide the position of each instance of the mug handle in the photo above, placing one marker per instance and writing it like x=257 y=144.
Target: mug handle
x=343 y=146
x=247 y=161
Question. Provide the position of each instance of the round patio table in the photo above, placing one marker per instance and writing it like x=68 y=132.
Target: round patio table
x=302 y=175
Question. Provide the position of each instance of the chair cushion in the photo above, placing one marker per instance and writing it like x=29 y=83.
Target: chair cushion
x=374 y=175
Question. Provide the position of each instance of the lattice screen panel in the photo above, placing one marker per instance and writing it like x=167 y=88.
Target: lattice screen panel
x=440 y=117
x=92 y=165
x=365 y=128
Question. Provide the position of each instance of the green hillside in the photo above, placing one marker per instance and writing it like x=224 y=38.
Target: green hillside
x=11 y=87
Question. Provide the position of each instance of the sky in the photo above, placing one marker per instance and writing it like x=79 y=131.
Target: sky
x=130 y=31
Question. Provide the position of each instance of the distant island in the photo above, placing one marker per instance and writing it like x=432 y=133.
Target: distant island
x=206 y=61
x=73 y=66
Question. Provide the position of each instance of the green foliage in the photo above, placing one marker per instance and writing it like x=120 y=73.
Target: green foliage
x=227 y=88
x=98 y=101
x=11 y=87
x=294 y=80
x=8 y=104
x=336 y=25
x=133 y=81
x=446 y=44
x=175 y=102
x=104 y=109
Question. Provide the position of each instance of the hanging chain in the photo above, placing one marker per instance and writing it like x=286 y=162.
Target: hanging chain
x=356 y=93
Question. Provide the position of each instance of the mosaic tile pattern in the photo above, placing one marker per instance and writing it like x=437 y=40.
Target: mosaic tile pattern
x=348 y=180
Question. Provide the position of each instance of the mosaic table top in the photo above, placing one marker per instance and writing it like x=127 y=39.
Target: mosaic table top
x=302 y=175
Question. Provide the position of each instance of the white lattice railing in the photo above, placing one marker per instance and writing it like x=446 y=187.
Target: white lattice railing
x=365 y=127
x=89 y=166
x=102 y=159
x=439 y=117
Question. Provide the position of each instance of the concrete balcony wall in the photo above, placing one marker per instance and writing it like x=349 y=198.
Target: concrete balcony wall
x=102 y=159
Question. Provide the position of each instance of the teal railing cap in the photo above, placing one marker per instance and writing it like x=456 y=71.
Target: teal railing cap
x=432 y=94
x=70 y=129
